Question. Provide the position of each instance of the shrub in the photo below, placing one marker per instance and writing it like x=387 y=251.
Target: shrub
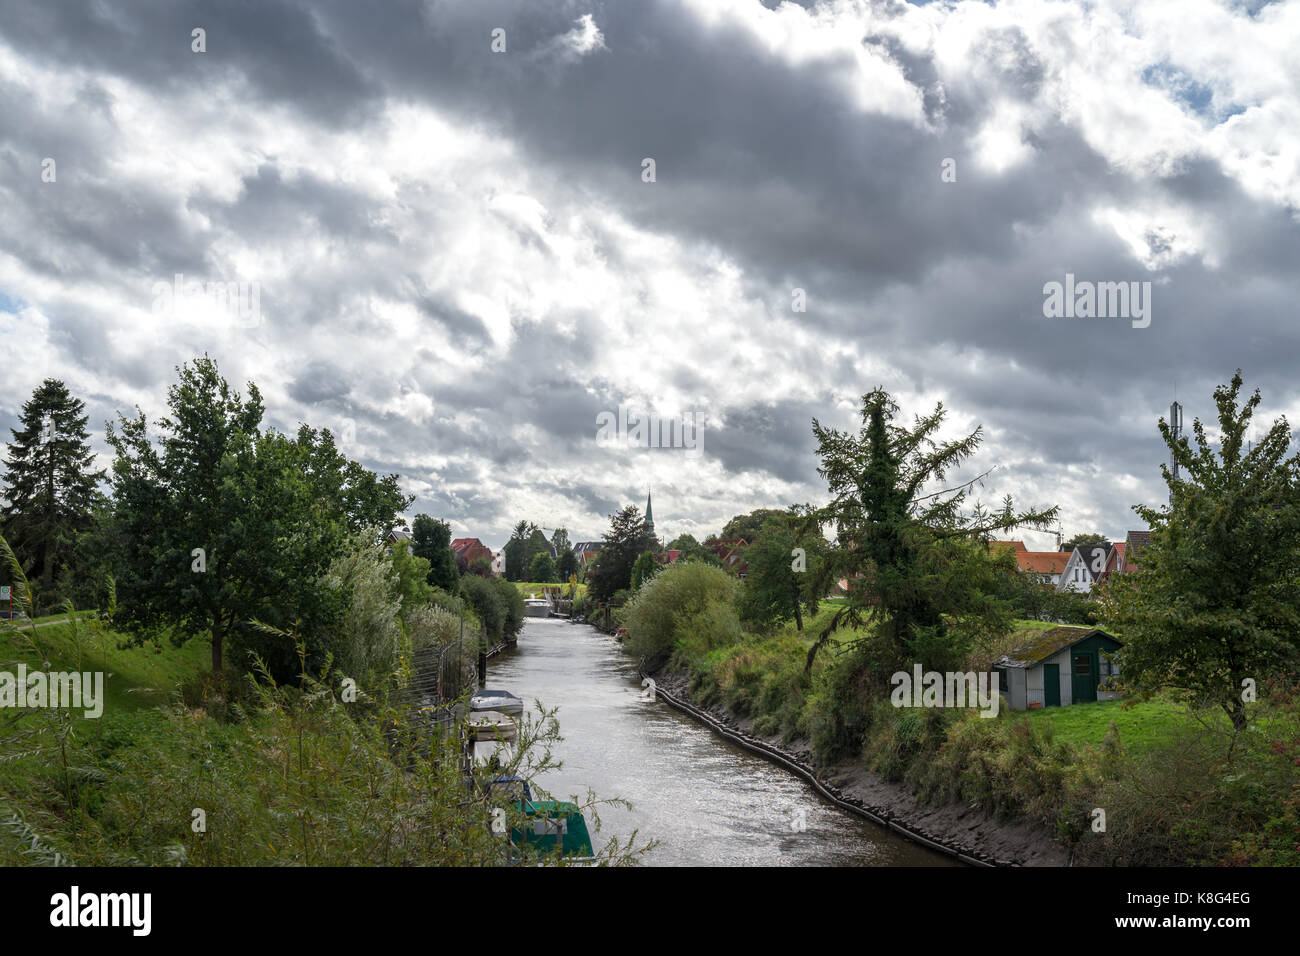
x=692 y=600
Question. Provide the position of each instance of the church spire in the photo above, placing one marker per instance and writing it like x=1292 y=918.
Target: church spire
x=649 y=514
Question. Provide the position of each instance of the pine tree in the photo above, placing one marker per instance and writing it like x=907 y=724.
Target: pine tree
x=49 y=484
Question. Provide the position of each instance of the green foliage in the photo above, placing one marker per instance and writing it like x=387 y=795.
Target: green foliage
x=1215 y=600
x=412 y=578
x=625 y=541
x=305 y=780
x=784 y=561
x=542 y=569
x=566 y=564
x=366 y=641
x=498 y=605
x=1030 y=597
x=749 y=526
x=269 y=512
x=51 y=488
x=685 y=600
x=918 y=562
x=643 y=569
x=431 y=540
x=1085 y=539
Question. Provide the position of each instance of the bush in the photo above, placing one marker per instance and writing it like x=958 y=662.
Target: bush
x=368 y=640
x=692 y=600
x=497 y=603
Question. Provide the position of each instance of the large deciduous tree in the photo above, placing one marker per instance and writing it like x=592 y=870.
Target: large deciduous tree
x=49 y=484
x=431 y=540
x=221 y=523
x=1215 y=599
x=784 y=560
x=915 y=557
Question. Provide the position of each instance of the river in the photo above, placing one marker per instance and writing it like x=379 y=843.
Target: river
x=706 y=800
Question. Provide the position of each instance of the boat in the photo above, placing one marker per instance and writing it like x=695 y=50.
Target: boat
x=492 y=738
x=537 y=607
x=498 y=700
x=547 y=823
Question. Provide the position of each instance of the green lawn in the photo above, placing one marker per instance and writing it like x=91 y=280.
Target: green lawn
x=134 y=677
x=1140 y=724
x=529 y=588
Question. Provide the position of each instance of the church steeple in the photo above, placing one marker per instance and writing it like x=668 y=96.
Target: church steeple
x=649 y=514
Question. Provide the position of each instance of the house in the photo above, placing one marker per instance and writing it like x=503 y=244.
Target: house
x=1135 y=544
x=586 y=551
x=731 y=552
x=469 y=550
x=395 y=535
x=1085 y=567
x=1058 y=667
x=668 y=557
x=1048 y=565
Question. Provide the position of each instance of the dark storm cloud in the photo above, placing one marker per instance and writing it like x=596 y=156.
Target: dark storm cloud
x=761 y=156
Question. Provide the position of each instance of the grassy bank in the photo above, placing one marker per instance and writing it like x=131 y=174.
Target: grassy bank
x=1175 y=785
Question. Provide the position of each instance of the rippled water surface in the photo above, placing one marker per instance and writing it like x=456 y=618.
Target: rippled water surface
x=706 y=800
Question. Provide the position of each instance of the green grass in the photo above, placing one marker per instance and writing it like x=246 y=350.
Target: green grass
x=134 y=677
x=1141 y=724
x=528 y=588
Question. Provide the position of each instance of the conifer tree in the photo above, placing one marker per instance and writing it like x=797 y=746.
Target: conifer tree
x=49 y=485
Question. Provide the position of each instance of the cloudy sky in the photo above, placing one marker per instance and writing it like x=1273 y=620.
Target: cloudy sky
x=460 y=264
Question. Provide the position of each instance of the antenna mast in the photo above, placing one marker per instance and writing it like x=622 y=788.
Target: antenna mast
x=1176 y=431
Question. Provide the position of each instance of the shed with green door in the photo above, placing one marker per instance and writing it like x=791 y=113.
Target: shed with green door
x=1058 y=667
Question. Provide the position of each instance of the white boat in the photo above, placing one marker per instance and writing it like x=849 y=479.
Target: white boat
x=537 y=607
x=492 y=735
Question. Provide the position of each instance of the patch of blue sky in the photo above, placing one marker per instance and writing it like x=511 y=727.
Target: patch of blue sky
x=1196 y=96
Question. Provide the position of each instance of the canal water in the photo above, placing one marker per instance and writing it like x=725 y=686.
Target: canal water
x=706 y=800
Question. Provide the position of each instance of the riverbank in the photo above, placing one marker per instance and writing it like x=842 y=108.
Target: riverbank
x=962 y=831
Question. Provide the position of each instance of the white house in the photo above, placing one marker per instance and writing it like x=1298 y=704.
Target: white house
x=1084 y=569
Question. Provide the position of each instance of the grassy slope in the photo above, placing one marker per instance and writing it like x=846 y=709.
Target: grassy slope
x=134 y=676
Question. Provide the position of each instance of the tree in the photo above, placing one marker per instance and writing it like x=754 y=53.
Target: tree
x=784 y=561
x=431 y=540
x=517 y=551
x=222 y=523
x=542 y=569
x=567 y=564
x=692 y=550
x=412 y=578
x=625 y=541
x=643 y=569
x=747 y=526
x=1084 y=540
x=917 y=563
x=560 y=542
x=51 y=489
x=1215 y=600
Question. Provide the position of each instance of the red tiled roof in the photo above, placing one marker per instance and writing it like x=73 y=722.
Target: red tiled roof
x=1017 y=546
x=1043 y=562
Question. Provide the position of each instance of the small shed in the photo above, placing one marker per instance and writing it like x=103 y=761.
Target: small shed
x=1058 y=667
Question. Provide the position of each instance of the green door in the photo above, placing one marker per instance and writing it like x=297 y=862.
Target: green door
x=1051 y=685
x=1084 y=669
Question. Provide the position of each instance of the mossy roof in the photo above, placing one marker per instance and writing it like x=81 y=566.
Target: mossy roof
x=1044 y=644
